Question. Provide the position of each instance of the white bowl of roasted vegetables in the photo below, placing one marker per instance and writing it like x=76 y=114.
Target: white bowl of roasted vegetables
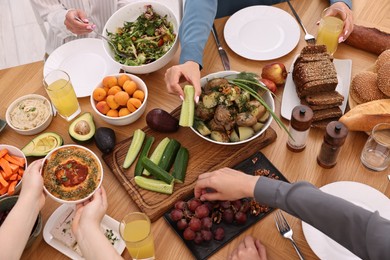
x=144 y=35
x=234 y=108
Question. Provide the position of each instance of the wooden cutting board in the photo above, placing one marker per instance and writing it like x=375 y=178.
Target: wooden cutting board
x=203 y=156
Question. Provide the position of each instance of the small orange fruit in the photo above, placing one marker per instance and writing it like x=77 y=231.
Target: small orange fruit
x=113 y=113
x=114 y=90
x=111 y=102
x=121 y=98
x=102 y=107
x=139 y=94
x=110 y=81
x=130 y=106
x=99 y=94
x=135 y=101
x=130 y=86
x=122 y=79
x=123 y=112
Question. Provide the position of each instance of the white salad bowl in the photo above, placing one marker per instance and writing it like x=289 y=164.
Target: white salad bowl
x=131 y=12
x=267 y=97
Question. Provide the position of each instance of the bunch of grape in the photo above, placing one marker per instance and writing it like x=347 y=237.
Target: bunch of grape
x=199 y=220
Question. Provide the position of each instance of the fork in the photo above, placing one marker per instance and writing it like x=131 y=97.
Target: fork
x=310 y=39
x=106 y=39
x=286 y=231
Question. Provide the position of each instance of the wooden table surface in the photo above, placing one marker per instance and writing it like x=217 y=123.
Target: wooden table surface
x=21 y=80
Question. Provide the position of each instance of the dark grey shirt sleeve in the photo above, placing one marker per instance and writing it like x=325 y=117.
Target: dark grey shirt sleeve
x=364 y=233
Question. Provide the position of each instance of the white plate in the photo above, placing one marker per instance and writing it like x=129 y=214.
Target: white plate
x=107 y=222
x=85 y=61
x=360 y=194
x=261 y=32
x=290 y=97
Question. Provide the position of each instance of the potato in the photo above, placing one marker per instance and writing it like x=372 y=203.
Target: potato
x=161 y=121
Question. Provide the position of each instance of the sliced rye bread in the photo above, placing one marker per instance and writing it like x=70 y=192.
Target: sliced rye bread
x=334 y=112
x=319 y=107
x=313 y=57
x=325 y=98
x=324 y=85
x=323 y=123
x=310 y=49
x=306 y=72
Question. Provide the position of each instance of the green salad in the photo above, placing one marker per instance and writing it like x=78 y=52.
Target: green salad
x=145 y=40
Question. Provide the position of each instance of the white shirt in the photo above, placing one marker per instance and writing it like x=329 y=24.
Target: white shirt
x=53 y=13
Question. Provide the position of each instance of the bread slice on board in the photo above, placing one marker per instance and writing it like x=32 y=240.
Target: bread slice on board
x=364 y=117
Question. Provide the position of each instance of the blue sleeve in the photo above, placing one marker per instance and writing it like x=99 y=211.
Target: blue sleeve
x=195 y=29
x=347 y=2
x=364 y=233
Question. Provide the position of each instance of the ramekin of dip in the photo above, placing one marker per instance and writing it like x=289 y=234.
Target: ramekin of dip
x=29 y=114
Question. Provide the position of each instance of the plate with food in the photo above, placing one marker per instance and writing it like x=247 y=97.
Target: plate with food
x=261 y=32
x=71 y=174
x=360 y=194
x=85 y=61
x=221 y=221
x=340 y=94
x=58 y=232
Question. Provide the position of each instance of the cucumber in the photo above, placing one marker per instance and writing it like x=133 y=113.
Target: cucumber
x=144 y=153
x=154 y=185
x=43 y=144
x=169 y=155
x=135 y=147
x=188 y=107
x=180 y=165
x=157 y=154
x=156 y=171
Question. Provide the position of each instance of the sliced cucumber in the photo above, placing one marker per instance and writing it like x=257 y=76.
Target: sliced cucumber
x=43 y=144
x=180 y=165
x=154 y=185
x=169 y=155
x=188 y=108
x=156 y=171
x=157 y=153
x=135 y=147
x=144 y=153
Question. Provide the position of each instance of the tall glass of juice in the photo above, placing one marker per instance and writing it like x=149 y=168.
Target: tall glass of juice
x=330 y=28
x=135 y=230
x=61 y=93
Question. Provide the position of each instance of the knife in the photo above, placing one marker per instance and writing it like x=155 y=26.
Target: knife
x=222 y=52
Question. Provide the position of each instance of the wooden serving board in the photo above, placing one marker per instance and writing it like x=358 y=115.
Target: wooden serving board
x=203 y=156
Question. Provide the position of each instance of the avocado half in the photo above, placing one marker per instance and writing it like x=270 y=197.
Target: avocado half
x=83 y=128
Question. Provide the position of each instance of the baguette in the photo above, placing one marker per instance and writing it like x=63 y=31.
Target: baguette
x=369 y=39
x=365 y=116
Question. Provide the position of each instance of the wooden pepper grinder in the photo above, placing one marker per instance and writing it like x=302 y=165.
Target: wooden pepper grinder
x=336 y=133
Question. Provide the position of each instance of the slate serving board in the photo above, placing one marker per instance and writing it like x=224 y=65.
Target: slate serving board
x=203 y=156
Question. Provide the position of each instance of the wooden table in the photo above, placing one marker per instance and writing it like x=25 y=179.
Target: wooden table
x=18 y=81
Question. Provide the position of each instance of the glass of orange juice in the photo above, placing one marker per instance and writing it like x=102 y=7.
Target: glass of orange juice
x=61 y=93
x=330 y=28
x=135 y=230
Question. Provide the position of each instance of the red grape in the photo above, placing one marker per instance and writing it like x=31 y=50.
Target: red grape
x=195 y=224
x=228 y=216
x=207 y=223
x=198 y=238
x=180 y=205
x=202 y=211
x=219 y=233
x=225 y=204
x=240 y=217
x=193 y=204
x=176 y=214
x=236 y=205
x=182 y=224
x=206 y=235
x=188 y=234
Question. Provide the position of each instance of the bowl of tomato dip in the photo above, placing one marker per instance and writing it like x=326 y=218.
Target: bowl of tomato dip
x=71 y=174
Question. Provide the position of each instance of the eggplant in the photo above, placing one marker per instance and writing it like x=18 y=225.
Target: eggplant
x=161 y=121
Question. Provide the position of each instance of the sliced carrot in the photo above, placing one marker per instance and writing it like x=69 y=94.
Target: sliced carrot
x=19 y=177
x=21 y=171
x=3 y=152
x=14 y=177
x=2 y=173
x=14 y=168
x=15 y=160
x=11 y=187
x=5 y=165
x=3 y=190
x=3 y=181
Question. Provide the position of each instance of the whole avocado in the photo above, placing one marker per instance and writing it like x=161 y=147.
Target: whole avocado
x=105 y=139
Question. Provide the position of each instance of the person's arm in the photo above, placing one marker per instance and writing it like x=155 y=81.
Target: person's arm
x=364 y=233
x=86 y=228
x=17 y=227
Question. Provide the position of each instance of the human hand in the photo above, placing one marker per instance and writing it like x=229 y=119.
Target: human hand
x=225 y=184
x=249 y=249
x=32 y=184
x=190 y=72
x=90 y=213
x=76 y=26
x=348 y=23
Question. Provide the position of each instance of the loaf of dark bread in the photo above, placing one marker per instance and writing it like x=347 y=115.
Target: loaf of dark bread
x=369 y=39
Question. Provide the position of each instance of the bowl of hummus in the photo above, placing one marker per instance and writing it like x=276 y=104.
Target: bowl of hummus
x=71 y=174
x=29 y=114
